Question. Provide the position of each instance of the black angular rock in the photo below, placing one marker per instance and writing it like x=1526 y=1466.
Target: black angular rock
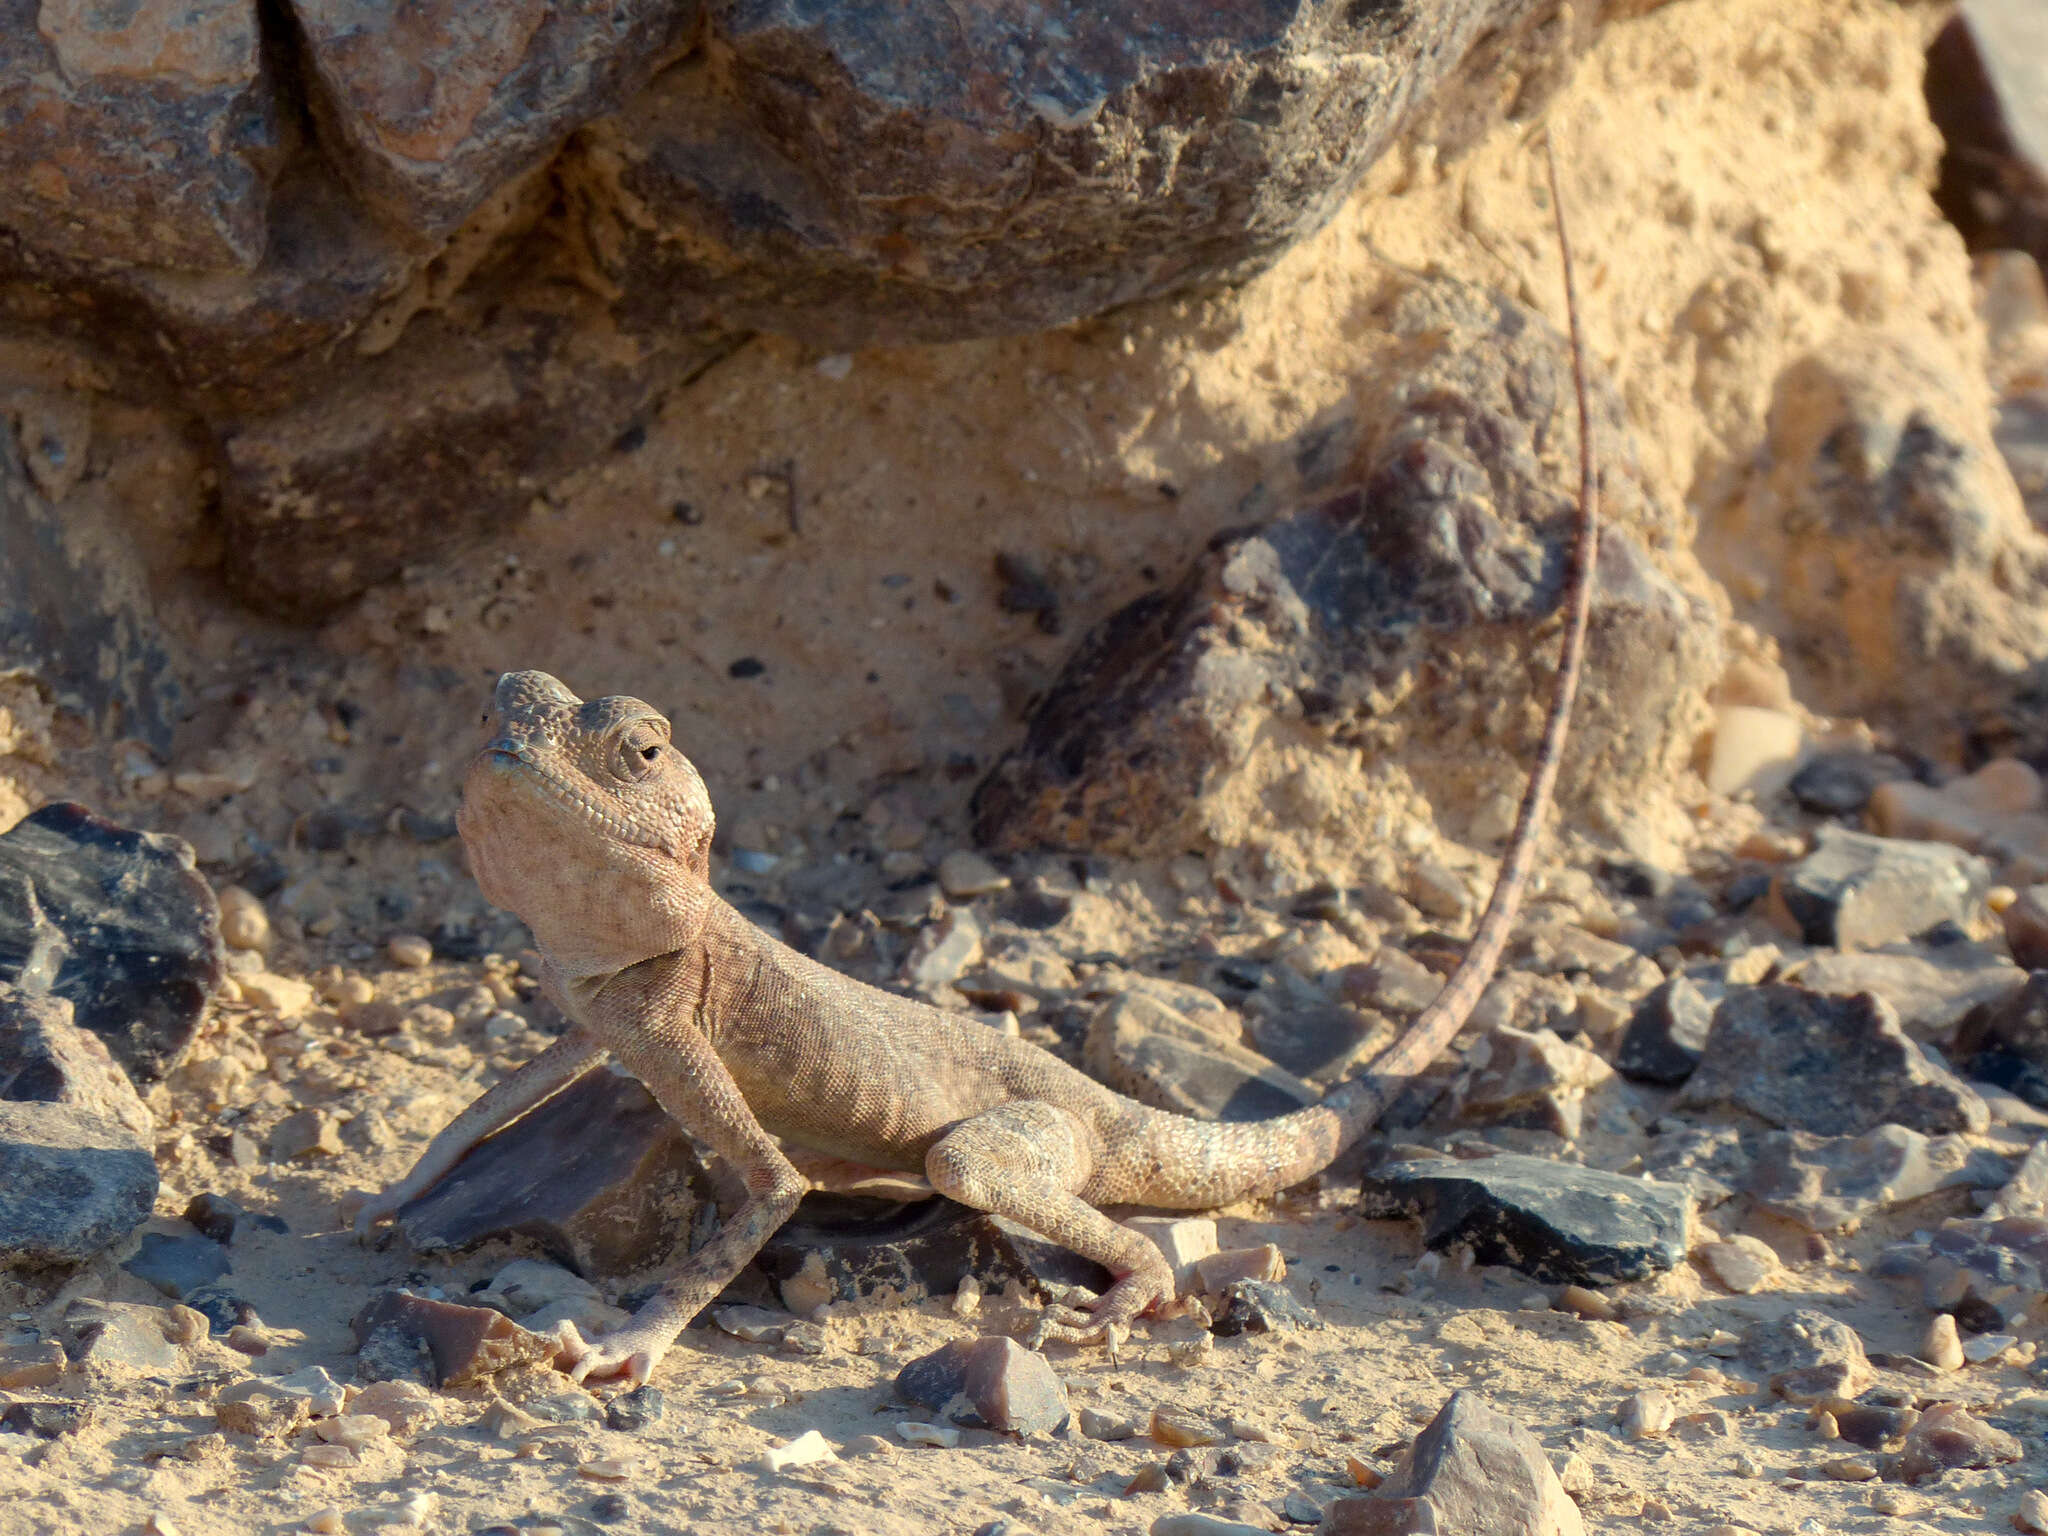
x=1262 y=1306
x=848 y=1246
x=599 y=1176
x=635 y=1410
x=71 y=1184
x=118 y=922
x=1856 y=890
x=991 y=1382
x=178 y=1265
x=1836 y=1066
x=44 y=1420
x=1554 y=1221
x=1668 y=1031
x=218 y=1217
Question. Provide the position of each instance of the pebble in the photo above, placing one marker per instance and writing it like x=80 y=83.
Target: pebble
x=23 y=1366
x=2033 y=1512
x=1942 y=1348
x=1586 y=1304
x=1646 y=1415
x=353 y=1430
x=410 y=951
x=159 y=1524
x=285 y=996
x=609 y=1469
x=964 y=874
x=325 y=1522
x=806 y=1450
x=916 y=1432
x=1179 y=1430
x=323 y=1455
x=636 y=1409
x=1096 y=1426
x=1191 y=1524
x=1948 y=1436
x=244 y=923
x=1753 y=748
x=303 y=1134
x=1219 y=1271
x=1849 y=1469
x=1741 y=1264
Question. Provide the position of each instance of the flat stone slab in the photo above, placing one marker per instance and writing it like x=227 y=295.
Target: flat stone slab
x=1836 y=1066
x=117 y=922
x=598 y=1176
x=71 y=1184
x=1556 y=1222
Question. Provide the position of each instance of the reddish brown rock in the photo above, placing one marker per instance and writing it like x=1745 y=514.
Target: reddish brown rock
x=1947 y=1437
x=1394 y=619
x=398 y=1333
x=137 y=133
x=433 y=105
x=599 y=1176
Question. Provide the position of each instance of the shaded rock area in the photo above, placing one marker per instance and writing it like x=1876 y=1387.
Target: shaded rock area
x=1668 y=1031
x=2006 y=1042
x=1987 y=76
x=46 y=1059
x=1836 y=1066
x=1471 y=1469
x=845 y=1247
x=598 y=1176
x=989 y=1383
x=1826 y=1183
x=118 y=923
x=71 y=1183
x=1348 y=625
x=1550 y=1220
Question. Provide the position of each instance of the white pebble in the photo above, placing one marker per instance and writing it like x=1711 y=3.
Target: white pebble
x=914 y=1432
x=1942 y=1348
x=807 y=1449
x=410 y=951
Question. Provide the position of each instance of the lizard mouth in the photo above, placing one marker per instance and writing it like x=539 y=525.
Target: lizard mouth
x=507 y=760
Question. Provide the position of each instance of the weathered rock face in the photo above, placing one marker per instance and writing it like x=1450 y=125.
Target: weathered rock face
x=139 y=134
x=1396 y=620
x=1987 y=77
x=71 y=1183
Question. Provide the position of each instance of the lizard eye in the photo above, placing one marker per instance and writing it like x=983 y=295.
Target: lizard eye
x=639 y=749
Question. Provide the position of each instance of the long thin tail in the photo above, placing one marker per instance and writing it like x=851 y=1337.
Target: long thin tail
x=1305 y=1142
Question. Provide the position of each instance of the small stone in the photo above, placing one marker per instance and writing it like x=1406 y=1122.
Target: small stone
x=257 y=1406
x=1830 y=1183
x=285 y=996
x=1585 y=1304
x=1849 y=1469
x=1530 y=1078
x=940 y=1436
x=1169 y=1428
x=332 y=1457
x=306 y=1134
x=1855 y=891
x=806 y=1450
x=354 y=1430
x=1940 y=1346
x=2032 y=1514
x=1741 y=1264
x=1472 y=1469
x=219 y=1218
x=1263 y=1306
x=1754 y=749
x=461 y=1344
x=868 y=1445
x=409 y=951
x=964 y=875
x=1646 y=1415
x=1105 y=1426
x=1808 y=1356
x=325 y=1522
x=608 y=1469
x=247 y=1339
x=244 y=923
x=26 y=1366
x=635 y=1410
x=1184 y=1240
x=324 y=1395
x=159 y=1524
x=404 y=1405
x=1171 y=1060
x=991 y=1382
x=1948 y=1436
x=177 y=1265
x=1841 y=783
x=1556 y=1222
x=44 y=1420
x=1217 y=1272
x=1191 y=1523
x=1668 y=1031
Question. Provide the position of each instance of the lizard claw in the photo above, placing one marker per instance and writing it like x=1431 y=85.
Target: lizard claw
x=372 y=1209
x=631 y=1352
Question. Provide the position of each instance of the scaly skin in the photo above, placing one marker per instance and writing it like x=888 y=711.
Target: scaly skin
x=585 y=820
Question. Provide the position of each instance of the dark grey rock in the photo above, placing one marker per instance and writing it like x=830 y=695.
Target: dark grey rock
x=1427 y=585
x=119 y=1336
x=991 y=1382
x=1665 y=1036
x=46 y=1059
x=635 y=1410
x=178 y=1265
x=1987 y=75
x=599 y=1176
x=119 y=923
x=46 y=1420
x=1472 y=1470
x=75 y=611
x=1836 y=1066
x=71 y=1184
x=1856 y=890
x=222 y=1310
x=863 y=1247
x=1554 y=1221
x=1808 y=1356
x=1841 y=783
x=1262 y=1306
x=218 y=1217
x=2006 y=1043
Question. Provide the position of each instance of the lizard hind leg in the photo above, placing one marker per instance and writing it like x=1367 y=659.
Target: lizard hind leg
x=1027 y=1160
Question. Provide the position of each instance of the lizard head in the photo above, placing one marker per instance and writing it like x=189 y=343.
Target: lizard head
x=584 y=819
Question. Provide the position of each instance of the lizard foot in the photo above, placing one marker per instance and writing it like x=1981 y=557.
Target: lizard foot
x=632 y=1352
x=1107 y=1321
x=372 y=1209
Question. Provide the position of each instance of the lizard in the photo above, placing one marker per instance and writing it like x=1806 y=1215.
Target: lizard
x=586 y=820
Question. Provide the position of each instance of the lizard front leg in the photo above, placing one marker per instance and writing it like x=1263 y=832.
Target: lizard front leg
x=683 y=1072
x=499 y=1105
